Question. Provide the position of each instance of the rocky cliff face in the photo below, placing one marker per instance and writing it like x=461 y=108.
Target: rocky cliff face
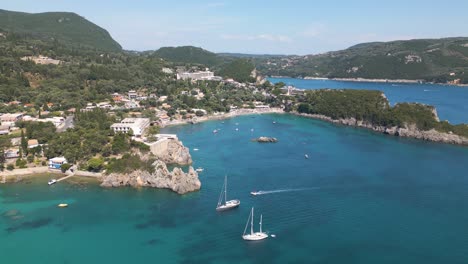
x=177 y=180
x=175 y=153
x=410 y=131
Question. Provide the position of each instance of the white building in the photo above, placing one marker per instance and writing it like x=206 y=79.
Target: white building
x=132 y=94
x=56 y=120
x=57 y=162
x=104 y=105
x=199 y=75
x=137 y=125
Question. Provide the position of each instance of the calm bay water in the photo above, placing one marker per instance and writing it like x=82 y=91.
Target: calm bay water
x=361 y=197
x=451 y=102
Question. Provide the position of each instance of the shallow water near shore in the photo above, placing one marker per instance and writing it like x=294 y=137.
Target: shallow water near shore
x=361 y=197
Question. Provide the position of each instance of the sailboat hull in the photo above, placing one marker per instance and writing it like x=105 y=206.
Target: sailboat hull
x=229 y=205
x=255 y=236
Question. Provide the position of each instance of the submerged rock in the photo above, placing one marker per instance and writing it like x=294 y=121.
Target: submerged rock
x=265 y=140
x=177 y=180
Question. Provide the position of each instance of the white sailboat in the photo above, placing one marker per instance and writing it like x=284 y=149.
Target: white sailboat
x=223 y=203
x=254 y=236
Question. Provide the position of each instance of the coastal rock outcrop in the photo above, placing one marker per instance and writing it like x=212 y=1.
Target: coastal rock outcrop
x=172 y=151
x=176 y=180
x=409 y=131
x=265 y=140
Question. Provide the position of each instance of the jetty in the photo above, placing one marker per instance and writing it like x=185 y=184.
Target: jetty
x=66 y=177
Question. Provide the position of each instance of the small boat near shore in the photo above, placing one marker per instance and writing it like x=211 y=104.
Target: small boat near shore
x=215 y=131
x=223 y=203
x=199 y=169
x=53 y=181
x=195 y=149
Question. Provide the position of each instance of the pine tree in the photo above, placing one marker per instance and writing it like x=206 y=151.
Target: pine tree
x=24 y=143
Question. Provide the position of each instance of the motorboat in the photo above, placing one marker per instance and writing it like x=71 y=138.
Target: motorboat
x=52 y=181
x=199 y=169
x=62 y=205
x=256 y=193
x=306 y=156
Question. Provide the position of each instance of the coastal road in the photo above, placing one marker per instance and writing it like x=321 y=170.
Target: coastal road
x=66 y=125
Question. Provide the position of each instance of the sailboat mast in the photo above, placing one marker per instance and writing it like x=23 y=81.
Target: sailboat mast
x=251 y=222
x=261 y=218
x=225 y=189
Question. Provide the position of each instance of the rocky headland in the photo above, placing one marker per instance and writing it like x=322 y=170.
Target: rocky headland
x=167 y=151
x=408 y=131
x=176 y=180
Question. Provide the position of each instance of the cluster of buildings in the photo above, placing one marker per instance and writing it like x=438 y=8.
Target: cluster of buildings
x=41 y=60
x=205 y=75
x=7 y=121
x=291 y=90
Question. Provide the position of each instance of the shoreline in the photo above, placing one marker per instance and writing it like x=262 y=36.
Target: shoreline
x=17 y=175
x=422 y=135
x=429 y=135
x=365 y=80
x=231 y=114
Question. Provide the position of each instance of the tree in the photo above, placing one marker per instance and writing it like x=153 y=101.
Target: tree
x=95 y=164
x=2 y=158
x=24 y=143
x=65 y=167
x=199 y=113
x=153 y=130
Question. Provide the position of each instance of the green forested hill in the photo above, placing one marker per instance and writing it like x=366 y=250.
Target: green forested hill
x=189 y=54
x=68 y=28
x=426 y=59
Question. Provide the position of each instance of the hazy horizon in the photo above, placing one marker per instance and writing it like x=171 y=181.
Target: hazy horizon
x=296 y=28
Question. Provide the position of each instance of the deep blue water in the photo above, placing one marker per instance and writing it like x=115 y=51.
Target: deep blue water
x=361 y=197
x=451 y=102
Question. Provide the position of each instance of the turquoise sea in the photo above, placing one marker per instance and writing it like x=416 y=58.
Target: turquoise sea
x=451 y=102
x=361 y=197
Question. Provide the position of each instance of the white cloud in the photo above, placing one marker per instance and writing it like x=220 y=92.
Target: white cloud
x=267 y=37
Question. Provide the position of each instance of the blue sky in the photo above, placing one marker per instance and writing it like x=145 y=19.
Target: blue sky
x=274 y=27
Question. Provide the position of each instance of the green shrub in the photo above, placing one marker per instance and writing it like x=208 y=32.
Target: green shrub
x=65 y=167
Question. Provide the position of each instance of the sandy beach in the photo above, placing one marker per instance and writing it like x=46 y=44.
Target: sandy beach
x=232 y=113
x=16 y=174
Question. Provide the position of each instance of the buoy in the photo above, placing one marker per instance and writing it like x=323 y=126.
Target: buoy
x=63 y=205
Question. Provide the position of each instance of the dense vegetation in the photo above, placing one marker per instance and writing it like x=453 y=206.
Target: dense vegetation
x=373 y=107
x=425 y=59
x=239 y=70
x=189 y=54
x=70 y=28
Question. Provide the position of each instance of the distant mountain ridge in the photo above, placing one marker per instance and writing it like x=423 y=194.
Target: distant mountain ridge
x=436 y=60
x=62 y=26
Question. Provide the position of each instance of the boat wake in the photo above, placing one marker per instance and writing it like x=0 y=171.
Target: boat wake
x=282 y=190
